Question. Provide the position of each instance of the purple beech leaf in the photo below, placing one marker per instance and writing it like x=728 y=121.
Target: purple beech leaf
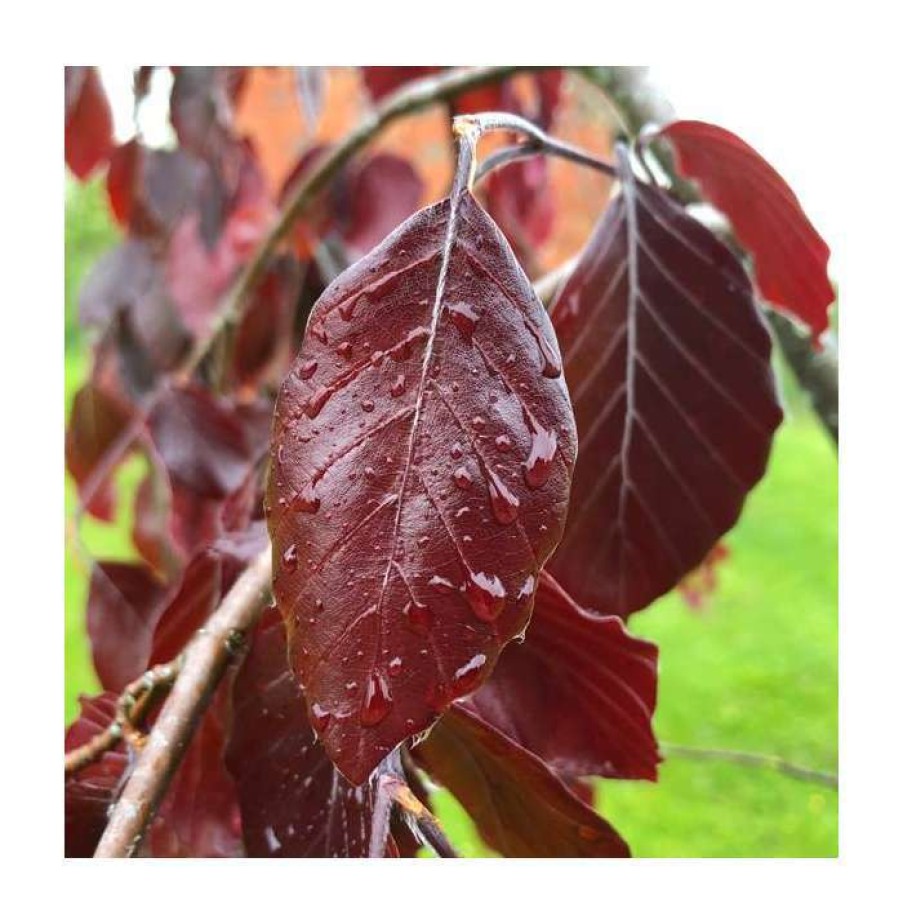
x=667 y=359
x=90 y=792
x=521 y=807
x=125 y=602
x=791 y=258
x=89 y=121
x=422 y=449
x=579 y=692
x=294 y=803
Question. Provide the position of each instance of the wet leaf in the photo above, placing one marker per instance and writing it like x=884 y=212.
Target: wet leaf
x=294 y=803
x=791 y=258
x=667 y=358
x=422 y=451
x=579 y=692
x=520 y=806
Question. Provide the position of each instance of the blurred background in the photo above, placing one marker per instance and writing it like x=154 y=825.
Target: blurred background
x=750 y=665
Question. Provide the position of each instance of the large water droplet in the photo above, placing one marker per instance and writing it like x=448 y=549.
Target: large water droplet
x=462 y=478
x=398 y=386
x=320 y=717
x=318 y=331
x=377 y=700
x=419 y=616
x=503 y=501
x=346 y=309
x=486 y=595
x=464 y=317
x=468 y=676
x=306 y=501
x=306 y=369
x=551 y=364
x=456 y=451
x=538 y=465
x=290 y=559
x=367 y=405
x=315 y=403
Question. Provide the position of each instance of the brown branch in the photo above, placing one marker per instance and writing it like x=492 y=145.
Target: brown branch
x=131 y=709
x=638 y=105
x=409 y=99
x=204 y=662
x=756 y=760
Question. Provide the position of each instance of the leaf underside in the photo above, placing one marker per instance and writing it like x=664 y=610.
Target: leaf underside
x=422 y=451
x=667 y=359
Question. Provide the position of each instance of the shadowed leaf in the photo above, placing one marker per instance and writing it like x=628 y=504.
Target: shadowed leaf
x=667 y=358
x=579 y=692
x=294 y=803
x=520 y=806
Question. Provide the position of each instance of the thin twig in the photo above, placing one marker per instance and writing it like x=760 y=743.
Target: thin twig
x=204 y=662
x=756 y=760
x=132 y=707
x=409 y=99
x=422 y=822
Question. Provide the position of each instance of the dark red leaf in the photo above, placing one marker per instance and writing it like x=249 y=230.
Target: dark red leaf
x=201 y=107
x=791 y=258
x=294 y=803
x=264 y=334
x=427 y=423
x=363 y=206
x=199 y=816
x=129 y=279
x=207 y=578
x=89 y=122
x=667 y=358
x=519 y=198
x=122 y=180
x=125 y=602
x=151 y=190
x=579 y=692
x=204 y=441
x=383 y=80
x=90 y=792
x=99 y=419
x=383 y=192
x=520 y=806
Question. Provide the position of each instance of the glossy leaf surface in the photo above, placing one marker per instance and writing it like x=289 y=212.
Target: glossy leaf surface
x=791 y=258
x=294 y=803
x=422 y=451
x=667 y=359
x=520 y=806
x=579 y=692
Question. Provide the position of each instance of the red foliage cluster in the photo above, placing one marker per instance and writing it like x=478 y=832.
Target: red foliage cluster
x=416 y=472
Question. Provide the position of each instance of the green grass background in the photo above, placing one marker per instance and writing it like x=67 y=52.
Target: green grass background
x=754 y=670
